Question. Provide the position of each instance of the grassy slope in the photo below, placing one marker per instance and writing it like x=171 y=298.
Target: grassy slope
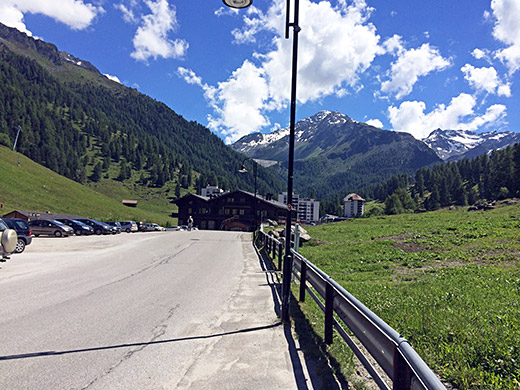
x=35 y=188
x=449 y=281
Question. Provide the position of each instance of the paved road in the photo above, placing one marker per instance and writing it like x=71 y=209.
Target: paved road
x=164 y=310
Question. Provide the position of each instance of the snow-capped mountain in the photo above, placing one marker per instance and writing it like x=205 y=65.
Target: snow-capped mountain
x=456 y=144
x=257 y=144
x=335 y=153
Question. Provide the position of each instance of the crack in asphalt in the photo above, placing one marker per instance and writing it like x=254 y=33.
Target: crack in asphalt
x=158 y=331
x=155 y=262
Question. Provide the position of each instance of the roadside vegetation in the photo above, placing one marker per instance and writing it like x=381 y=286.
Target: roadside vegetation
x=448 y=281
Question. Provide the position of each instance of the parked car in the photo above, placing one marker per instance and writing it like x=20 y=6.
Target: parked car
x=144 y=227
x=79 y=228
x=158 y=228
x=113 y=229
x=99 y=227
x=115 y=224
x=128 y=226
x=8 y=240
x=50 y=227
x=23 y=232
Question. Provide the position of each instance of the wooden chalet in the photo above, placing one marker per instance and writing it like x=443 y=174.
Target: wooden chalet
x=236 y=210
x=32 y=215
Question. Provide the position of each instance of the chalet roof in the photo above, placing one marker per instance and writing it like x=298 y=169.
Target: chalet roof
x=228 y=194
x=352 y=197
x=271 y=202
x=39 y=215
x=191 y=195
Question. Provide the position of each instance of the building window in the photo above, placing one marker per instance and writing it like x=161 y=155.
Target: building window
x=234 y=211
x=241 y=211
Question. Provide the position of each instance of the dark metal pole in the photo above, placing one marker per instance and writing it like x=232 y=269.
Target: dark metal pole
x=287 y=264
x=255 y=226
x=255 y=171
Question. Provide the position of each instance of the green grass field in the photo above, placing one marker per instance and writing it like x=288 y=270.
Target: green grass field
x=32 y=187
x=448 y=281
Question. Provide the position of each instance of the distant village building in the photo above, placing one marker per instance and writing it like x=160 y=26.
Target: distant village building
x=236 y=210
x=129 y=203
x=308 y=209
x=211 y=191
x=32 y=215
x=353 y=206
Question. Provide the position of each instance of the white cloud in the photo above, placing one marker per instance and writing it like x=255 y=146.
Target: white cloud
x=337 y=45
x=77 y=14
x=151 y=39
x=486 y=80
x=375 y=122
x=238 y=102
x=394 y=44
x=410 y=116
x=113 y=78
x=507 y=30
x=480 y=54
x=128 y=13
x=189 y=76
x=411 y=65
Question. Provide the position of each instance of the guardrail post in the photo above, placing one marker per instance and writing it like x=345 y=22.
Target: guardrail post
x=402 y=376
x=329 y=313
x=280 y=254
x=273 y=244
x=303 y=281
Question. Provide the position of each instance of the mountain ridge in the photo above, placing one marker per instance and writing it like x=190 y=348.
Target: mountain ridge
x=452 y=145
x=336 y=154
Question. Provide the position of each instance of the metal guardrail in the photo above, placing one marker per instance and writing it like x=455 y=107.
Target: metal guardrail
x=393 y=353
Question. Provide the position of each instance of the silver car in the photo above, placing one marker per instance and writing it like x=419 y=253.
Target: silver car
x=128 y=226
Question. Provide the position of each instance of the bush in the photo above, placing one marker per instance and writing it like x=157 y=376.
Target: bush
x=5 y=140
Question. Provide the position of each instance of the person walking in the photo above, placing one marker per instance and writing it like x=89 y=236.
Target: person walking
x=190 y=223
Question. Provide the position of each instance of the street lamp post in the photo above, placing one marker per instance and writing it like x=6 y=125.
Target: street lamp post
x=287 y=264
x=244 y=170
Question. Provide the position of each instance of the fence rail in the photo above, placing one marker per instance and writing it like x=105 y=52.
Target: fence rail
x=392 y=352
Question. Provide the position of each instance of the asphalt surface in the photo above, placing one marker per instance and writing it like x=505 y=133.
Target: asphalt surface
x=162 y=310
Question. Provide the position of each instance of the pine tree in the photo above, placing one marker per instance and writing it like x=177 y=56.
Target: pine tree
x=96 y=173
x=393 y=205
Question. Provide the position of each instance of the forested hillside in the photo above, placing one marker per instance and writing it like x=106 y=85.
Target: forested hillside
x=484 y=178
x=86 y=127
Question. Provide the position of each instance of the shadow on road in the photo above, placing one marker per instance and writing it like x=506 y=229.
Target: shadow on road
x=324 y=371
x=55 y=353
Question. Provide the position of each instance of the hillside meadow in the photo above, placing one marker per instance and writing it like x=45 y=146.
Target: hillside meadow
x=32 y=187
x=448 y=281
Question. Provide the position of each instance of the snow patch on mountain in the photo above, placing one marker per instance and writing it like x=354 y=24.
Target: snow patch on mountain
x=455 y=144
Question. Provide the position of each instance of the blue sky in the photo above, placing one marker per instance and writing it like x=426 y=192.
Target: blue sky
x=400 y=65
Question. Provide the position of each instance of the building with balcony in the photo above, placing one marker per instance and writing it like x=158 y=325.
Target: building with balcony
x=353 y=206
x=236 y=210
x=308 y=209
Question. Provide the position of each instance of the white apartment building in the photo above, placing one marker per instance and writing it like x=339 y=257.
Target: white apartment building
x=308 y=209
x=353 y=206
x=211 y=191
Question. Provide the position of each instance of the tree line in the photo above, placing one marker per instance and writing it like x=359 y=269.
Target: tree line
x=484 y=178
